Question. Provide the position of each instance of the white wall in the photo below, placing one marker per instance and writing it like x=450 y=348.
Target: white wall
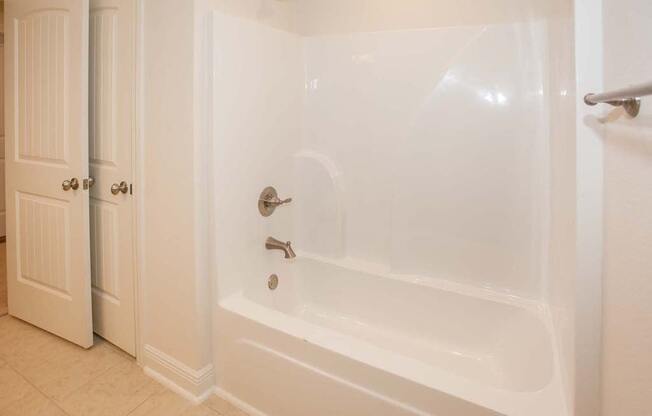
x=346 y=16
x=587 y=274
x=175 y=204
x=175 y=287
x=627 y=341
x=272 y=13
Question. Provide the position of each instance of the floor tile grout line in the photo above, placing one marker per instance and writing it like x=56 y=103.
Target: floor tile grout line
x=22 y=376
x=58 y=403
x=141 y=403
x=66 y=396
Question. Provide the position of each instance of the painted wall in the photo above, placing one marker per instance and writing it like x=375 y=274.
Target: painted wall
x=176 y=292
x=588 y=200
x=272 y=13
x=346 y=16
x=175 y=78
x=627 y=341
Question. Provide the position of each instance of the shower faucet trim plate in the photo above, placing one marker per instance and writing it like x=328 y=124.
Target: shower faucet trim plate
x=268 y=201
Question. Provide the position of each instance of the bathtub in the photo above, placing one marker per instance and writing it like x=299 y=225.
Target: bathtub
x=345 y=338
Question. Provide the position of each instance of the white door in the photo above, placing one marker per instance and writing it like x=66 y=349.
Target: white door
x=48 y=256
x=111 y=125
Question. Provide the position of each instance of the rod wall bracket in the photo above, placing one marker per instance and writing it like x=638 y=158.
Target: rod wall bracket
x=631 y=105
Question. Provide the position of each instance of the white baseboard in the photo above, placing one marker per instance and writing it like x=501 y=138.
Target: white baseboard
x=194 y=385
x=244 y=406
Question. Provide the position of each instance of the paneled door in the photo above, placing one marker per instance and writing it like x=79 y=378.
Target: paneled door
x=48 y=243
x=112 y=80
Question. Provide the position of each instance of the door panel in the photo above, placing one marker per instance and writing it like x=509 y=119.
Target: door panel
x=46 y=80
x=112 y=89
x=44 y=260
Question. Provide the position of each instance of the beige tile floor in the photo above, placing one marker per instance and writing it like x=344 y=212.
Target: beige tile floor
x=43 y=375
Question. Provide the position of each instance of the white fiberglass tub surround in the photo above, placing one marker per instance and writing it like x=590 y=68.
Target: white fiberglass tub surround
x=418 y=164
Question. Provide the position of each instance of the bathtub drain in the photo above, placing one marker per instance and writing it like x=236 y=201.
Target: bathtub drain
x=272 y=282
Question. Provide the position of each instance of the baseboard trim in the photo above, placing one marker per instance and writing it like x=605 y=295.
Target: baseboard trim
x=242 y=405
x=194 y=385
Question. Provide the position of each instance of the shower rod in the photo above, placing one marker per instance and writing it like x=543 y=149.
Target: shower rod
x=628 y=98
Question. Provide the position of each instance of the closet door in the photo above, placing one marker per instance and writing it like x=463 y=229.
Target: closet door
x=46 y=81
x=112 y=79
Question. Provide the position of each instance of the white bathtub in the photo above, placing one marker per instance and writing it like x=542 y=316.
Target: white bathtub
x=336 y=340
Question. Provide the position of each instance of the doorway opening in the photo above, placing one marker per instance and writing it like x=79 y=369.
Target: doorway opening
x=70 y=84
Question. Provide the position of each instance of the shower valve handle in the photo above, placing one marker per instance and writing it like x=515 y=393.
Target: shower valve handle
x=277 y=202
x=268 y=201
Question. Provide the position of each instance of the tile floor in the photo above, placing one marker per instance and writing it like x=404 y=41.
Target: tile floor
x=43 y=375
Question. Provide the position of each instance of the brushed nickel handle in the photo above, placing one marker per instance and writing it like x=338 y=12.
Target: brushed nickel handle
x=268 y=201
x=70 y=184
x=277 y=202
x=122 y=187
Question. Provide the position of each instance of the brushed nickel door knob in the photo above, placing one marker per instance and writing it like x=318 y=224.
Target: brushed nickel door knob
x=70 y=184
x=122 y=187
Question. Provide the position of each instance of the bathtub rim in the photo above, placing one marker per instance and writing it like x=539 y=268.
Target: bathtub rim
x=507 y=402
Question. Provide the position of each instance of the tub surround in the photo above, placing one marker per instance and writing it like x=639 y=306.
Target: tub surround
x=390 y=138
x=418 y=286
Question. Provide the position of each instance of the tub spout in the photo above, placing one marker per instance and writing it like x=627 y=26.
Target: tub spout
x=274 y=244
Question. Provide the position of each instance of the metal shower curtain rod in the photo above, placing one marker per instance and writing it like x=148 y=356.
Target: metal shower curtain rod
x=629 y=98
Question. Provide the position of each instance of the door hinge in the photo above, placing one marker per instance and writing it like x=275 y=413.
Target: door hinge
x=131 y=189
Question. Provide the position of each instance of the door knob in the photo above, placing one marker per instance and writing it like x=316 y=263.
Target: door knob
x=122 y=187
x=70 y=184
